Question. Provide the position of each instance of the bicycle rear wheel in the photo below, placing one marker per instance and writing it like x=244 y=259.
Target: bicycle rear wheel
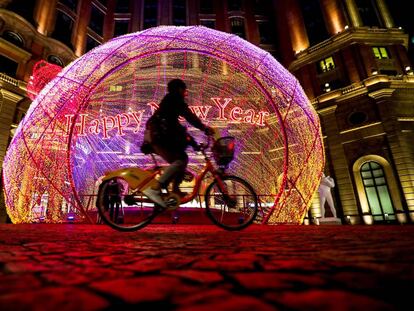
x=121 y=216
x=236 y=208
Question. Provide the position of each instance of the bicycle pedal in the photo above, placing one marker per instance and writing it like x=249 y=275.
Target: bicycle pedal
x=172 y=201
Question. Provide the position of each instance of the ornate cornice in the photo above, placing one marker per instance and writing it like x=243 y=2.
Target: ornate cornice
x=346 y=38
x=16 y=23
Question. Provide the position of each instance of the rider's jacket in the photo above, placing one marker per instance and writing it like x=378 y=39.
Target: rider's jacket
x=164 y=124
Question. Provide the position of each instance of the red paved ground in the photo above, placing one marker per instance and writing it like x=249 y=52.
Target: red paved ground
x=185 y=267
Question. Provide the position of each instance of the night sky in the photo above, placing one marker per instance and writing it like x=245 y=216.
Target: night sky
x=403 y=16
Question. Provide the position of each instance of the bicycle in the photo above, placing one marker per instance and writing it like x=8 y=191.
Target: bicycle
x=230 y=201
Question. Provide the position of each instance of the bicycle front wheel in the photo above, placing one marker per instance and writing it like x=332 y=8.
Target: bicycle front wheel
x=233 y=207
x=121 y=216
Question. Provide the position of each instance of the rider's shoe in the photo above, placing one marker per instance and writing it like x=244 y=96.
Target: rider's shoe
x=155 y=196
x=180 y=193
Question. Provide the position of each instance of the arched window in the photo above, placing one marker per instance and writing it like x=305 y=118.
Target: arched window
x=55 y=60
x=14 y=38
x=377 y=192
x=237 y=26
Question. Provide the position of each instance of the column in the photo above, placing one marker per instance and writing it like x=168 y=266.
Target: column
x=339 y=163
x=45 y=16
x=221 y=15
x=8 y=102
x=333 y=15
x=385 y=14
x=81 y=26
x=353 y=13
x=137 y=16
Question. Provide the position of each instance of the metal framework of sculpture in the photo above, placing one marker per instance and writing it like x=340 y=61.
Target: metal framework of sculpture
x=90 y=119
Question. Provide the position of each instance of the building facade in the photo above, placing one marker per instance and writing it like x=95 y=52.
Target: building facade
x=349 y=55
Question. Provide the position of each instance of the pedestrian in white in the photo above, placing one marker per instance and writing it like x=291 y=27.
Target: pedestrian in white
x=325 y=194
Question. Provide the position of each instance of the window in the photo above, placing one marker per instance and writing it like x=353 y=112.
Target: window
x=357 y=118
x=206 y=7
x=179 y=12
x=14 y=38
x=150 y=13
x=24 y=8
x=234 y=5
x=55 y=60
x=237 y=26
x=326 y=64
x=376 y=189
x=63 y=28
x=122 y=6
x=71 y=4
x=91 y=43
x=97 y=20
x=314 y=22
x=264 y=32
x=259 y=7
x=8 y=66
x=380 y=52
x=121 y=27
x=210 y=23
x=368 y=12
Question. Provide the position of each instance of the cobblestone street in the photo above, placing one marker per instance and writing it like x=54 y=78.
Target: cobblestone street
x=188 y=267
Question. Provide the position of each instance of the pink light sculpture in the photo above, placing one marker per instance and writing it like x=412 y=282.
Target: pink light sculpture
x=90 y=119
x=43 y=73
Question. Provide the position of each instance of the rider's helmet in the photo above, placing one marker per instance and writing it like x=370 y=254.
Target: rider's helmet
x=175 y=85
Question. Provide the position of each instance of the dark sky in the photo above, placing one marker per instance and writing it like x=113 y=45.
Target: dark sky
x=403 y=16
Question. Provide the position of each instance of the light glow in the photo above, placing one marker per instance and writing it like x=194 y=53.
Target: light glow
x=79 y=125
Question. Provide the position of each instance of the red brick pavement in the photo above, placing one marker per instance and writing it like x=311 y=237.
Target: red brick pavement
x=187 y=267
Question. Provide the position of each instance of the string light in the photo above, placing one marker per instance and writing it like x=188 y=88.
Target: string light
x=79 y=124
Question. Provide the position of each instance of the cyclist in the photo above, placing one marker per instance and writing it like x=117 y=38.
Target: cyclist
x=169 y=139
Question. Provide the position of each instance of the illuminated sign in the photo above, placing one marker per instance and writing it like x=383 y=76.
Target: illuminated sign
x=131 y=121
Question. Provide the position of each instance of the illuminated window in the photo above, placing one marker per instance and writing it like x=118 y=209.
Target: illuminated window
x=326 y=64
x=377 y=191
x=380 y=52
x=237 y=26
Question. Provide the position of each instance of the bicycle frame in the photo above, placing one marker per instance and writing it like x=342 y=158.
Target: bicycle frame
x=139 y=179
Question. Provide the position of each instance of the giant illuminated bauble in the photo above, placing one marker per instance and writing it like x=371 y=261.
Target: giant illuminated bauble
x=90 y=119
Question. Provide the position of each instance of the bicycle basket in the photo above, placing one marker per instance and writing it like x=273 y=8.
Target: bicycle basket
x=223 y=150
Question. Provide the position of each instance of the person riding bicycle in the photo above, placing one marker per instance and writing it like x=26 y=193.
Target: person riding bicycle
x=169 y=139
